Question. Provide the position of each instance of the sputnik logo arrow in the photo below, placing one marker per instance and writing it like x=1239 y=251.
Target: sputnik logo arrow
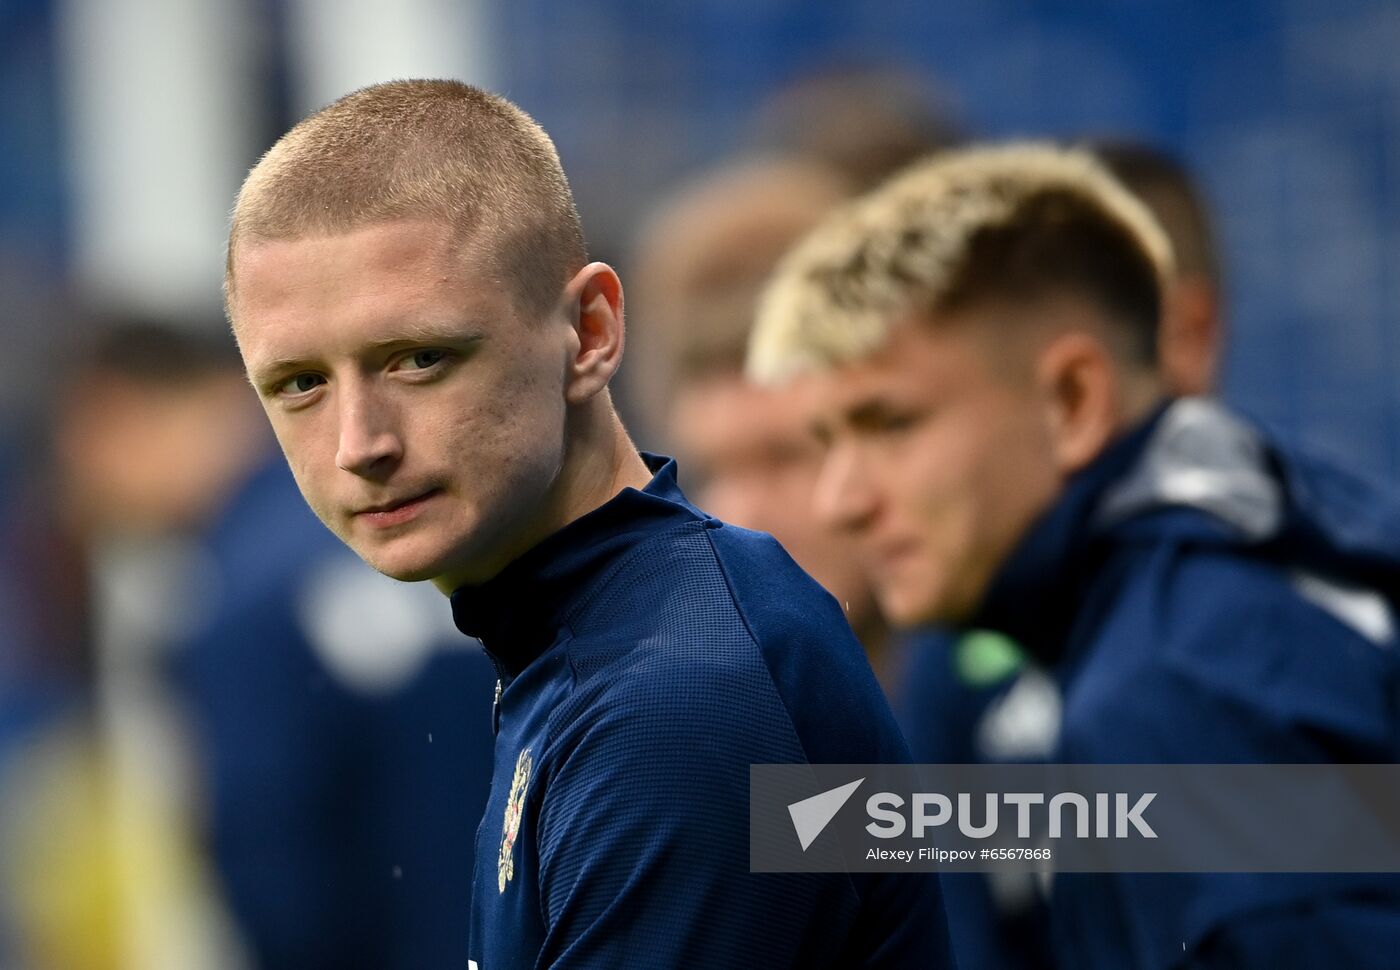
x=811 y=815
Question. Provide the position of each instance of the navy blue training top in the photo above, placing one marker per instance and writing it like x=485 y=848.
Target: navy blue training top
x=1204 y=595
x=648 y=655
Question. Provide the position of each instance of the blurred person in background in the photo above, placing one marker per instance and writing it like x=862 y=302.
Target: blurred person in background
x=1189 y=347
x=862 y=121
x=99 y=837
x=700 y=262
x=978 y=340
x=1191 y=339
x=976 y=697
x=151 y=431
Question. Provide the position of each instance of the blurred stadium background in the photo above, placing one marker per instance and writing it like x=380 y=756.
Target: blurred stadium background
x=126 y=125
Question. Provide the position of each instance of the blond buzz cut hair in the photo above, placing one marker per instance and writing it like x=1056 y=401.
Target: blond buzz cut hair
x=1009 y=224
x=426 y=149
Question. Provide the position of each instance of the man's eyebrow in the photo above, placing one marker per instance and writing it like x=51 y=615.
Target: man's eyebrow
x=432 y=332
x=270 y=371
x=861 y=413
x=866 y=411
x=422 y=333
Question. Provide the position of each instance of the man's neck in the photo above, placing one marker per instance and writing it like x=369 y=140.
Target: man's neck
x=600 y=460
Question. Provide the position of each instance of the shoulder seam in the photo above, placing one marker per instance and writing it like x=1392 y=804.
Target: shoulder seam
x=753 y=639
x=768 y=671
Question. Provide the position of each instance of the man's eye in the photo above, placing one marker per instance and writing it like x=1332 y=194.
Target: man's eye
x=893 y=423
x=301 y=384
x=424 y=359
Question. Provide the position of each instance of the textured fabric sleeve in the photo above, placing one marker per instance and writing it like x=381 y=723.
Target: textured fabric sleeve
x=643 y=837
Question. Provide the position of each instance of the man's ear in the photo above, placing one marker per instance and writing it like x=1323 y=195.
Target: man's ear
x=594 y=302
x=1078 y=380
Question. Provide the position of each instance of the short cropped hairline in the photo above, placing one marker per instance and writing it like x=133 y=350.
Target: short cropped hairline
x=437 y=150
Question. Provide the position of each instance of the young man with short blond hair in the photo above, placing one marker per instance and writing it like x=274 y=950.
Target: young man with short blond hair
x=409 y=289
x=977 y=342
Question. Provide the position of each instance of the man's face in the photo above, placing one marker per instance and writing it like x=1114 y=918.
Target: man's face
x=421 y=413
x=939 y=455
x=154 y=457
x=757 y=466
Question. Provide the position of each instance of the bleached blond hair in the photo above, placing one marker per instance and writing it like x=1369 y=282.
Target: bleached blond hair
x=1012 y=223
x=430 y=149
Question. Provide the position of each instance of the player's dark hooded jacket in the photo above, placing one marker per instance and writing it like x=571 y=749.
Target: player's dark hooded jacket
x=1205 y=596
x=648 y=655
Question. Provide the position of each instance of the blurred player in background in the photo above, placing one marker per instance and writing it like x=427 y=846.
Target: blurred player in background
x=1191 y=339
x=700 y=263
x=976 y=697
x=409 y=286
x=101 y=860
x=863 y=122
x=1189 y=347
x=979 y=342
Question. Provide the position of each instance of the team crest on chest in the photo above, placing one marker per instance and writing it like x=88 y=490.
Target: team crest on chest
x=515 y=807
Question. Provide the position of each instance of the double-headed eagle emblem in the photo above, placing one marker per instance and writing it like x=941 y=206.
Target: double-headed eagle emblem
x=515 y=807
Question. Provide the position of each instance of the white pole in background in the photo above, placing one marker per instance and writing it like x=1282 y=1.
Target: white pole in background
x=337 y=46
x=160 y=124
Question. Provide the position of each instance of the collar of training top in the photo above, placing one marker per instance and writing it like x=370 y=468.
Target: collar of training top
x=518 y=614
x=1193 y=471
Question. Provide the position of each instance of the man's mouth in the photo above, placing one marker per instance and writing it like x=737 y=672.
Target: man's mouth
x=396 y=512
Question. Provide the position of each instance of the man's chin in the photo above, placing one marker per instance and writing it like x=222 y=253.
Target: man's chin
x=912 y=608
x=446 y=573
x=404 y=568
x=405 y=574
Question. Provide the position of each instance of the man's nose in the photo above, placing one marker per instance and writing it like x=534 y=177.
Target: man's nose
x=369 y=444
x=844 y=498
